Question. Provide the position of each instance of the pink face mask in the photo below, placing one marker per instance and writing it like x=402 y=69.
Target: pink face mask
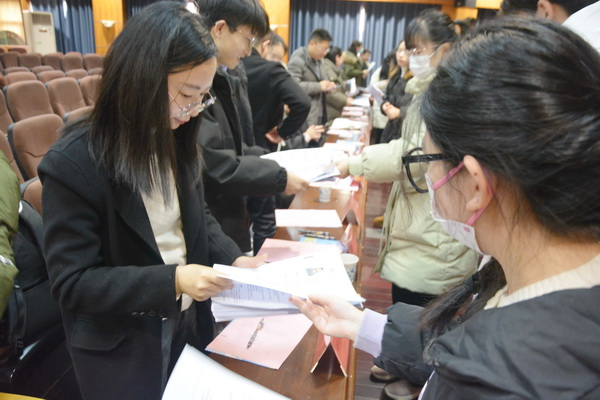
x=463 y=232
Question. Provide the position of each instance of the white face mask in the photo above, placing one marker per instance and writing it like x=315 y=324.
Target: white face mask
x=420 y=66
x=464 y=233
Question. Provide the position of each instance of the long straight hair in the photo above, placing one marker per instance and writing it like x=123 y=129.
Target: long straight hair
x=129 y=132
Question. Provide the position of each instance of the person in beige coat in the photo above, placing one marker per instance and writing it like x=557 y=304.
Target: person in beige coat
x=418 y=257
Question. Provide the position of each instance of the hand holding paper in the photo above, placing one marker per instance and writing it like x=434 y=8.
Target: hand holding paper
x=331 y=315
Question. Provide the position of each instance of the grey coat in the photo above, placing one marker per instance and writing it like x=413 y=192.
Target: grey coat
x=302 y=68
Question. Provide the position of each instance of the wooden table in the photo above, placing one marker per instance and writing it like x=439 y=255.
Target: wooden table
x=294 y=379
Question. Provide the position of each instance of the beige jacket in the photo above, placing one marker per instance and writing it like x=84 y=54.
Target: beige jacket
x=417 y=254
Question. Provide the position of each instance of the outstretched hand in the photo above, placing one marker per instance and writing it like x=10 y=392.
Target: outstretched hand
x=331 y=315
x=249 y=262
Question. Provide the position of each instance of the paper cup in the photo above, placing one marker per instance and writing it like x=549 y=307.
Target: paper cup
x=324 y=194
x=350 y=261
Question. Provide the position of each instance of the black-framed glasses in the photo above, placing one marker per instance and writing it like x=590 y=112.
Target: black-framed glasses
x=415 y=163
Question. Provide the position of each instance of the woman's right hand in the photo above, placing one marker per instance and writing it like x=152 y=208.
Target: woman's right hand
x=343 y=166
x=390 y=111
x=331 y=315
x=199 y=282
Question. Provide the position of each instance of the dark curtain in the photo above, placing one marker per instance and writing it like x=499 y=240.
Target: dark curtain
x=132 y=7
x=73 y=23
x=385 y=25
x=339 y=18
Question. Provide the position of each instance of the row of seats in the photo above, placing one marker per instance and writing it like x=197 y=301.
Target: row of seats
x=34 y=62
x=61 y=96
x=47 y=76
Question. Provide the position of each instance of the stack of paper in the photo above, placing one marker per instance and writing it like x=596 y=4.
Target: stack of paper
x=277 y=250
x=197 y=377
x=266 y=290
x=311 y=164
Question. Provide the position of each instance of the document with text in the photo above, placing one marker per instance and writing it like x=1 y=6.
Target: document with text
x=266 y=290
x=311 y=164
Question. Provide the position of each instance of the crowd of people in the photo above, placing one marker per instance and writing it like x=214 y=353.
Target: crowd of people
x=490 y=135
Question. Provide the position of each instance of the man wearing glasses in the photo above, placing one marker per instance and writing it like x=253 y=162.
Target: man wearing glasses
x=233 y=169
x=305 y=67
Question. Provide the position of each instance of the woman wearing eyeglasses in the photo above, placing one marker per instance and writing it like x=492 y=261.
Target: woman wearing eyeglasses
x=419 y=258
x=516 y=177
x=128 y=239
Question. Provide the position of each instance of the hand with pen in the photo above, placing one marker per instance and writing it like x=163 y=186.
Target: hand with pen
x=259 y=327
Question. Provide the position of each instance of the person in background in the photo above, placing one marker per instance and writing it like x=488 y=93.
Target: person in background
x=234 y=170
x=270 y=87
x=523 y=175
x=275 y=50
x=380 y=79
x=9 y=220
x=128 y=240
x=336 y=100
x=396 y=99
x=418 y=257
x=306 y=67
x=519 y=7
x=353 y=66
x=581 y=16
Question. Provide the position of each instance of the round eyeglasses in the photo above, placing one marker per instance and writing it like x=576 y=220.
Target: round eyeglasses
x=416 y=164
x=196 y=107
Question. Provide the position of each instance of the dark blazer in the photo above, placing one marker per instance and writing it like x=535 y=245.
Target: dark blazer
x=270 y=86
x=108 y=275
x=233 y=169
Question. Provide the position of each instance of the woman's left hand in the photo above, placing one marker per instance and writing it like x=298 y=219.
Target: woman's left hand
x=249 y=262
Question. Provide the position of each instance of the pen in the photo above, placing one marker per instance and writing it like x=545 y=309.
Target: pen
x=260 y=325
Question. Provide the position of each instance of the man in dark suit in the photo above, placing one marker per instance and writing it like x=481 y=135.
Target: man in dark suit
x=234 y=170
x=270 y=86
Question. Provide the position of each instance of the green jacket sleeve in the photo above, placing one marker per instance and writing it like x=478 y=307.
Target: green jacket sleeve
x=9 y=219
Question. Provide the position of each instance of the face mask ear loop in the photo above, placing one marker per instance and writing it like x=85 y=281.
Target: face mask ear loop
x=475 y=216
x=448 y=176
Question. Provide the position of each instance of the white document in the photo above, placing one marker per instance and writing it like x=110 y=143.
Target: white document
x=265 y=290
x=376 y=93
x=307 y=218
x=345 y=123
x=311 y=164
x=372 y=65
x=352 y=88
x=197 y=377
x=362 y=100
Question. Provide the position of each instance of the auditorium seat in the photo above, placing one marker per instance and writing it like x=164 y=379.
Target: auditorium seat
x=5 y=148
x=29 y=60
x=65 y=95
x=27 y=99
x=11 y=70
x=41 y=68
x=76 y=73
x=20 y=76
x=71 y=60
x=5 y=118
x=47 y=76
x=89 y=88
x=53 y=60
x=9 y=59
x=30 y=140
x=92 y=60
x=80 y=112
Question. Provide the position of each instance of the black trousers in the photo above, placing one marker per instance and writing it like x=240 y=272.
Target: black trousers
x=400 y=295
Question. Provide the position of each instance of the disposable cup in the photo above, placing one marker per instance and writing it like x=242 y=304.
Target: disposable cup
x=324 y=194
x=350 y=262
